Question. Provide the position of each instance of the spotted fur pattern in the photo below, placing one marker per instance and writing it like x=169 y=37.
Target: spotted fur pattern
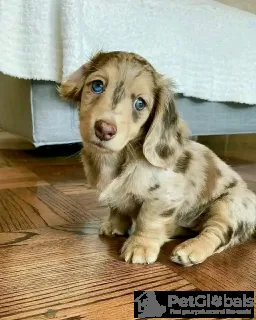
x=150 y=173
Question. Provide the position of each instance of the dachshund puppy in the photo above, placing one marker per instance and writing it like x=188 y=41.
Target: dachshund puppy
x=138 y=155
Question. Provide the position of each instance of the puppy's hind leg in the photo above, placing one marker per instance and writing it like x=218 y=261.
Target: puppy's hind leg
x=216 y=232
x=116 y=224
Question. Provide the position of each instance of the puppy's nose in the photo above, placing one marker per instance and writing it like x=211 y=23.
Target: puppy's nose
x=104 y=131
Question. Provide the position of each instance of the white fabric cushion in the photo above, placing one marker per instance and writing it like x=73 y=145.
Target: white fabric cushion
x=208 y=48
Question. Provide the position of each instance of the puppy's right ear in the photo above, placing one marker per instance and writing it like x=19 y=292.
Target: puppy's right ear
x=71 y=87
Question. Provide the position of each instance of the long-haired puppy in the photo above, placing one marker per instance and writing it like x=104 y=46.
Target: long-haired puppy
x=138 y=155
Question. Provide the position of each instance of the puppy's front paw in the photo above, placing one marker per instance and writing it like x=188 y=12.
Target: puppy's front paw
x=138 y=249
x=191 y=252
x=109 y=228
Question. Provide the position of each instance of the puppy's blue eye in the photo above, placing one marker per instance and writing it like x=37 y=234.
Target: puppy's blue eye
x=97 y=86
x=139 y=104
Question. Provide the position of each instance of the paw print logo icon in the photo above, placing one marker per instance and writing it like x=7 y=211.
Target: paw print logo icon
x=148 y=306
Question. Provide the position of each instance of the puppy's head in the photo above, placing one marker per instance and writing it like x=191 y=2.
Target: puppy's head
x=121 y=98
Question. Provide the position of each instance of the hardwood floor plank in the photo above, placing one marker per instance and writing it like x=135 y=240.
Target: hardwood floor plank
x=53 y=264
x=89 y=227
x=62 y=205
x=19 y=178
x=74 y=276
x=87 y=197
x=60 y=173
x=3 y=161
x=49 y=216
x=15 y=238
x=60 y=233
x=53 y=155
x=74 y=188
x=28 y=208
x=232 y=269
x=89 y=200
x=17 y=214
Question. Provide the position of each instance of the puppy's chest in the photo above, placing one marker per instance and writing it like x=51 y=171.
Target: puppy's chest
x=126 y=192
x=130 y=204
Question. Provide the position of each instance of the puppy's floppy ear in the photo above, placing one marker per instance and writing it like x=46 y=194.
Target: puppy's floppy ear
x=167 y=134
x=71 y=87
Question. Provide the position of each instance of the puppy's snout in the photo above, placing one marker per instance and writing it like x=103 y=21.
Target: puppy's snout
x=104 y=131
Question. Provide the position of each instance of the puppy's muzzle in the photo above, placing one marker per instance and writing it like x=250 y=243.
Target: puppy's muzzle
x=104 y=131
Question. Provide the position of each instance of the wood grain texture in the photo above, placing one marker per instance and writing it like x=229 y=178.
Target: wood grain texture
x=74 y=276
x=18 y=178
x=27 y=208
x=60 y=173
x=53 y=264
x=44 y=156
x=233 y=269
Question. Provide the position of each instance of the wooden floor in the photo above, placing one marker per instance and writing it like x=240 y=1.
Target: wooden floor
x=53 y=264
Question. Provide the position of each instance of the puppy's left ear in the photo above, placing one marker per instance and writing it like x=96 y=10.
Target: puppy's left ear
x=167 y=133
x=72 y=86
